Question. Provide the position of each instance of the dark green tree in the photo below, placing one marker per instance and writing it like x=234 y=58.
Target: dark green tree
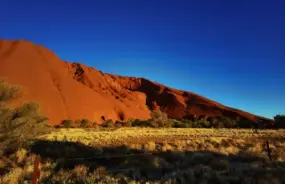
x=279 y=121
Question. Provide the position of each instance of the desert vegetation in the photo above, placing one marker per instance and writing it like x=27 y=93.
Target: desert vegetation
x=279 y=121
x=18 y=124
x=158 y=150
x=159 y=119
x=149 y=155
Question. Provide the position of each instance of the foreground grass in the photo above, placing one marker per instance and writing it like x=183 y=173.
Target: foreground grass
x=162 y=156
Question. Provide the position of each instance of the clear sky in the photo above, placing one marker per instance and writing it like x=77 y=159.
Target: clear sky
x=231 y=51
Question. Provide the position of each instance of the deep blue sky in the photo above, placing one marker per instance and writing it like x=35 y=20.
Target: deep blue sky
x=231 y=51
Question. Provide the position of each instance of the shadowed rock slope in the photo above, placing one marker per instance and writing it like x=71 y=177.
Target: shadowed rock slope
x=74 y=91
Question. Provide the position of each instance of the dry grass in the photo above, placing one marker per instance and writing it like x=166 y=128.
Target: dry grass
x=21 y=155
x=12 y=177
x=150 y=146
x=178 y=156
x=225 y=141
x=118 y=136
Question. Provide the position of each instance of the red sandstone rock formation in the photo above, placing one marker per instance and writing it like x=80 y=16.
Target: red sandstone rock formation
x=74 y=91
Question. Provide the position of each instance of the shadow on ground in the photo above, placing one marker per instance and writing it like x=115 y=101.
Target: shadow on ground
x=183 y=166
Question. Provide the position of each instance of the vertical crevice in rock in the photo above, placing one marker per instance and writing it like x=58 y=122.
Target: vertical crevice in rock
x=55 y=84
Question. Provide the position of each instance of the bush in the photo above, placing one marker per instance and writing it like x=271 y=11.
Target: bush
x=84 y=123
x=159 y=119
x=191 y=124
x=141 y=123
x=108 y=124
x=187 y=122
x=131 y=120
x=21 y=124
x=118 y=124
x=168 y=123
x=204 y=123
x=128 y=124
x=218 y=124
x=279 y=121
x=156 y=124
x=95 y=125
x=158 y=115
x=180 y=124
x=227 y=122
x=67 y=123
x=244 y=123
x=8 y=92
x=77 y=122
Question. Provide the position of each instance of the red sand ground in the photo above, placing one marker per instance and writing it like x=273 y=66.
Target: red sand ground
x=74 y=91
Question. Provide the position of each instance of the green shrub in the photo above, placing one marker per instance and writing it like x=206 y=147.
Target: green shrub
x=78 y=122
x=8 y=92
x=158 y=115
x=128 y=124
x=168 y=123
x=131 y=120
x=279 y=121
x=21 y=124
x=84 y=123
x=227 y=122
x=67 y=123
x=159 y=119
x=118 y=124
x=136 y=123
x=108 y=124
x=188 y=123
x=156 y=124
x=218 y=124
x=193 y=124
x=141 y=123
x=179 y=124
x=204 y=123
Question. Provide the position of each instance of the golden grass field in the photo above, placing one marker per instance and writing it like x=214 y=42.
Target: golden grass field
x=167 y=155
x=118 y=136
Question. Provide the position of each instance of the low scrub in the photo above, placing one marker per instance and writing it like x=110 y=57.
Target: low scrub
x=108 y=124
x=67 y=123
x=160 y=120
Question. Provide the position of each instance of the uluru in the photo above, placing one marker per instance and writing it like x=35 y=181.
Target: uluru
x=71 y=90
